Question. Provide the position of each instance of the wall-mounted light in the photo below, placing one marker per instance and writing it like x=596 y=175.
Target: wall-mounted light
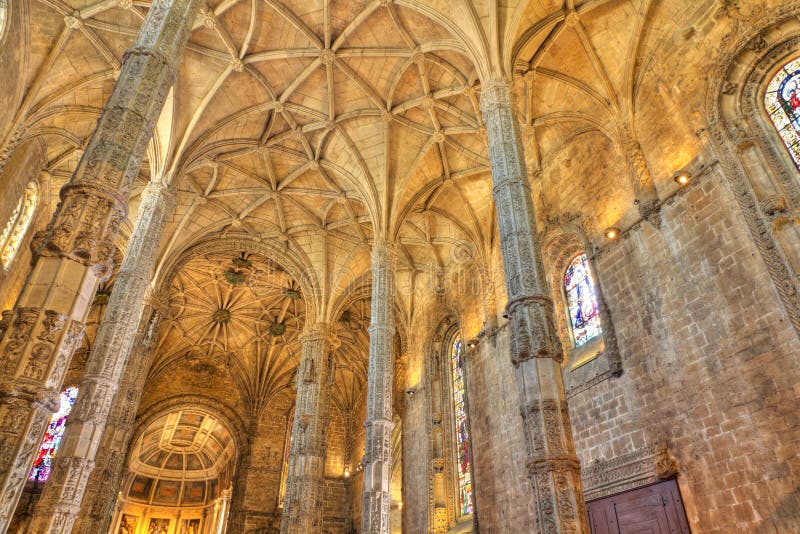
x=682 y=178
x=410 y=392
x=472 y=343
x=611 y=233
x=347 y=471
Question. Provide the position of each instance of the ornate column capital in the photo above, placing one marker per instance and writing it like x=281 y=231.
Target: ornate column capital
x=496 y=94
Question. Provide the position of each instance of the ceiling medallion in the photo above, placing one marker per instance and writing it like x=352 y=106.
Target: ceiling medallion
x=221 y=316
x=291 y=294
x=234 y=277
x=277 y=329
x=242 y=262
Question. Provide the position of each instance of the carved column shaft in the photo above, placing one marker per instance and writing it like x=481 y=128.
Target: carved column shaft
x=535 y=349
x=61 y=499
x=77 y=248
x=103 y=486
x=376 y=498
x=302 y=508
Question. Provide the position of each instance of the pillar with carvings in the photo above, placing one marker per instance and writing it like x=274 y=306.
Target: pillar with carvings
x=536 y=352
x=62 y=495
x=376 y=498
x=303 y=506
x=103 y=486
x=75 y=252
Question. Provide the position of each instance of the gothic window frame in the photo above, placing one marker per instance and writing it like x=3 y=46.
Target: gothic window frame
x=18 y=225
x=451 y=433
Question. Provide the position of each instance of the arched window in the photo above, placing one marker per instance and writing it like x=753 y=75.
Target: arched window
x=463 y=459
x=17 y=226
x=53 y=436
x=581 y=301
x=782 y=102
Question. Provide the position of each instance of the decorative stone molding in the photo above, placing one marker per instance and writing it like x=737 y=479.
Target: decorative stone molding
x=629 y=471
x=739 y=134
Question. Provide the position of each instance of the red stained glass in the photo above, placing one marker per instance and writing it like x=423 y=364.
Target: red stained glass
x=464 y=466
x=782 y=102
x=53 y=436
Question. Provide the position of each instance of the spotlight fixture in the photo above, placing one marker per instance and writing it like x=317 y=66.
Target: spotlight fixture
x=611 y=233
x=682 y=178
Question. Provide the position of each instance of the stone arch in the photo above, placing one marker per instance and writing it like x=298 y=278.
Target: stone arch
x=599 y=358
x=760 y=172
x=443 y=509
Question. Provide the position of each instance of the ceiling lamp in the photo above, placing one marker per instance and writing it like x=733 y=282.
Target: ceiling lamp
x=611 y=233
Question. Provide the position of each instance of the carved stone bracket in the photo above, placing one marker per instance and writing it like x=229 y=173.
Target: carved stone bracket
x=629 y=471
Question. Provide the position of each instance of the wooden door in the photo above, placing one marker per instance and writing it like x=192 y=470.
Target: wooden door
x=656 y=509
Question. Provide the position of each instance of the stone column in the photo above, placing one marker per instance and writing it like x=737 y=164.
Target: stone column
x=302 y=505
x=63 y=493
x=238 y=504
x=377 y=499
x=535 y=348
x=102 y=490
x=76 y=250
x=225 y=499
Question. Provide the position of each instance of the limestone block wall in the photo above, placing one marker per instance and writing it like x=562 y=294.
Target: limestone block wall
x=502 y=489
x=710 y=365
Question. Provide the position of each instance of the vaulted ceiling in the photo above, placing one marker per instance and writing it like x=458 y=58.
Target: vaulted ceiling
x=317 y=125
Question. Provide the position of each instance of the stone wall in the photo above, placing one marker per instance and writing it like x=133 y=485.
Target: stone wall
x=23 y=166
x=502 y=489
x=710 y=365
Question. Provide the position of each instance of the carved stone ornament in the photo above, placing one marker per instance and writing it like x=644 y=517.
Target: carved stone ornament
x=629 y=471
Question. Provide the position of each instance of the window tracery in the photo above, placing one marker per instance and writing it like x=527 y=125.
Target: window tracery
x=17 y=226
x=782 y=103
x=463 y=459
x=53 y=436
x=581 y=297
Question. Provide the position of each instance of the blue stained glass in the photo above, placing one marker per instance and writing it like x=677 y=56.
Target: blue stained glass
x=582 y=301
x=463 y=459
x=782 y=102
x=53 y=436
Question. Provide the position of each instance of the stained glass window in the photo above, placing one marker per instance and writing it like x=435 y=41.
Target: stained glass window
x=52 y=438
x=3 y=17
x=464 y=466
x=17 y=226
x=581 y=301
x=782 y=102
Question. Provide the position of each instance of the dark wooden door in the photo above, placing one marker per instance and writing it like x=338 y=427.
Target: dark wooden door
x=656 y=509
